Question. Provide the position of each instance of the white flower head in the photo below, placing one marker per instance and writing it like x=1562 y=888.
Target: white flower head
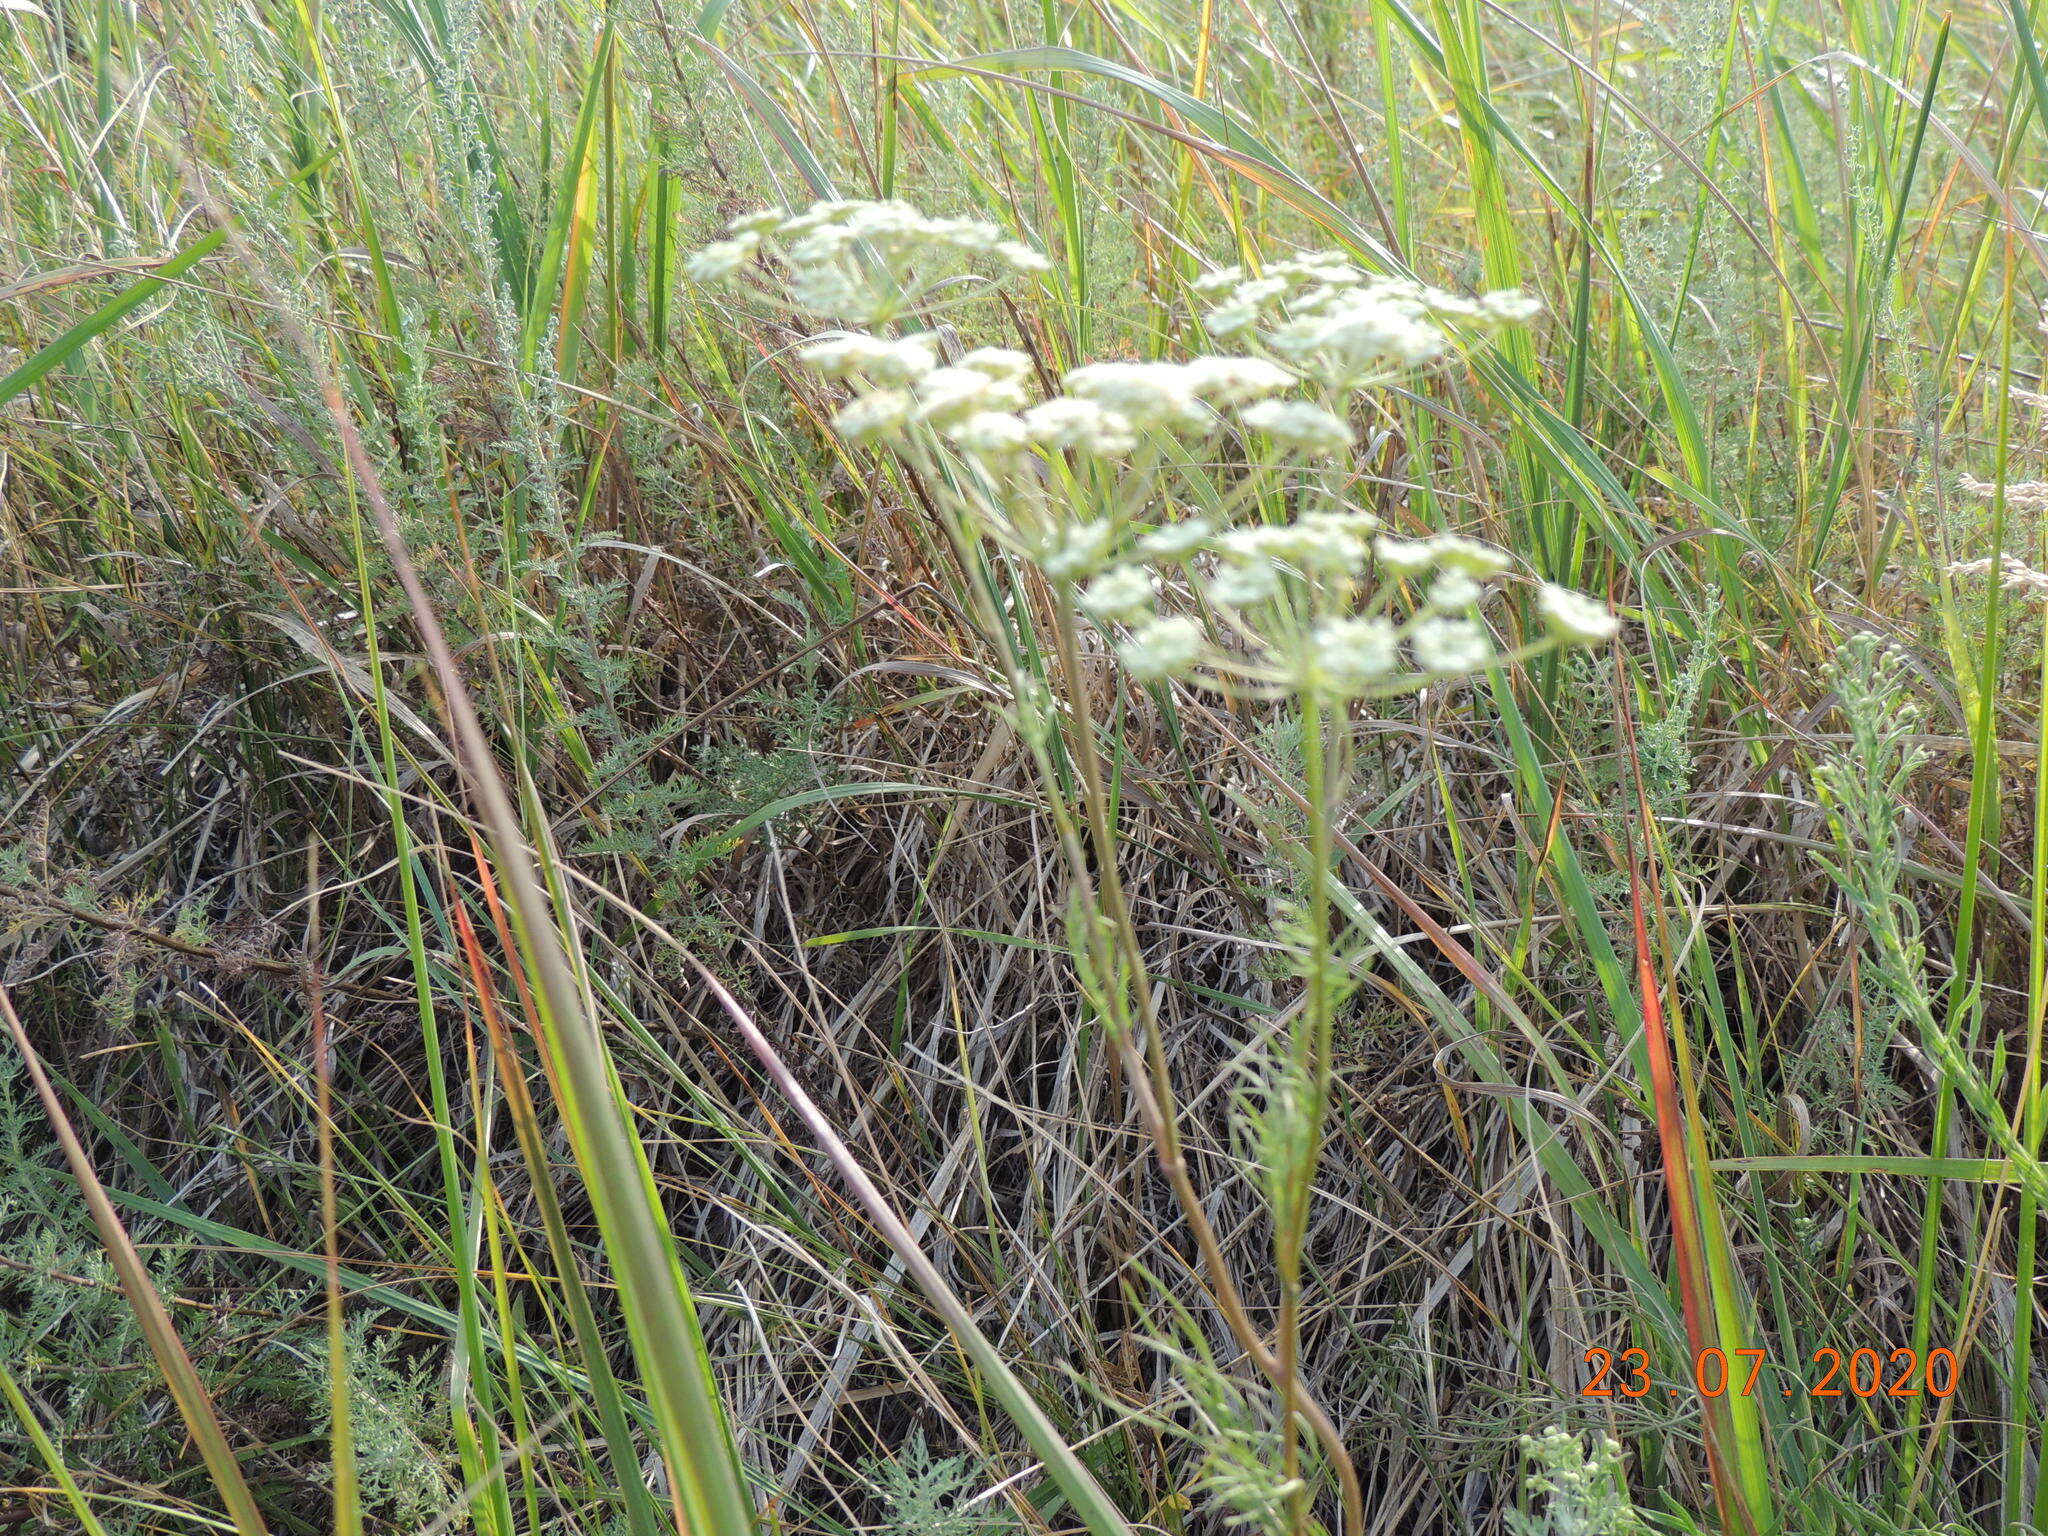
x=1311 y=267
x=998 y=363
x=1382 y=333
x=1359 y=335
x=1145 y=394
x=867 y=261
x=1176 y=541
x=1510 y=306
x=870 y=417
x=720 y=259
x=762 y=221
x=1231 y=319
x=1082 y=425
x=1441 y=301
x=1356 y=521
x=946 y=395
x=1405 y=557
x=1575 y=617
x=1162 y=648
x=856 y=354
x=1076 y=550
x=1453 y=592
x=1324 y=548
x=1451 y=645
x=1235 y=380
x=990 y=434
x=1457 y=553
x=1216 y=279
x=1298 y=426
x=819 y=214
x=1349 y=655
x=1122 y=592
x=1243 y=583
x=1260 y=291
x=1023 y=258
x=969 y=235
x=825 y=288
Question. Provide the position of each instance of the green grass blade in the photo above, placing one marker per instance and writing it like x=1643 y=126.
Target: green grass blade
x=138 y=293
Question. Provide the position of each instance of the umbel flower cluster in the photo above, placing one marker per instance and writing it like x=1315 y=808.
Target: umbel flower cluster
x=864 y=262
x=1193 y=510
x=1344 y=328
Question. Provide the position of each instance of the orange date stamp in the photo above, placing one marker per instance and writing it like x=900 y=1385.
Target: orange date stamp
x=1830 y=1373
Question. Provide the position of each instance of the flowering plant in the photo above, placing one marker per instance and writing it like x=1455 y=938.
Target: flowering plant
x=1193 y=513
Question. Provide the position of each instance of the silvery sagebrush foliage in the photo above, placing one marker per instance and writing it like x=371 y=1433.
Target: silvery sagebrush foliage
x=1864 y=787
x=1082 y=483
x=1584 y=1490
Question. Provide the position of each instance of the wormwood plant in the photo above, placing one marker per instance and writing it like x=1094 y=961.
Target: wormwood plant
x=396 y=1408
x=1189 y=518
x=1584 y=1491
x=929 y=1496
x=75 y=1384
x=1863 y=787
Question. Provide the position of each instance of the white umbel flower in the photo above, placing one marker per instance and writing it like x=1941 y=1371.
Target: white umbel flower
x=1348 y=656
x=762 y=221
x=870 y=417
x=1260 y=291
x=1177 y=541
x=946 y=395
x=1453 y=592
x=1351 y=519
x=1352 y=341
x=1379 y=333
x=1451 y=645
x=1243 y=583
x=1021 y=257
x=1510 y=306
x=1231 y=319
x=853 y=354
x=1314 y=267
x=720 y=259
x=1455 y=552
x=1146 y=394
x=1575 y=617
x=1124 y=592
x=1299 y=426
x=862 y=261
x=990 y=434
x=1326 y=548
x=1162 y=649
x=998 y=362
x=1082 y=425
x=1076 y=550
x=1235 y=380
x=825 y=288
x=1405 y=557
